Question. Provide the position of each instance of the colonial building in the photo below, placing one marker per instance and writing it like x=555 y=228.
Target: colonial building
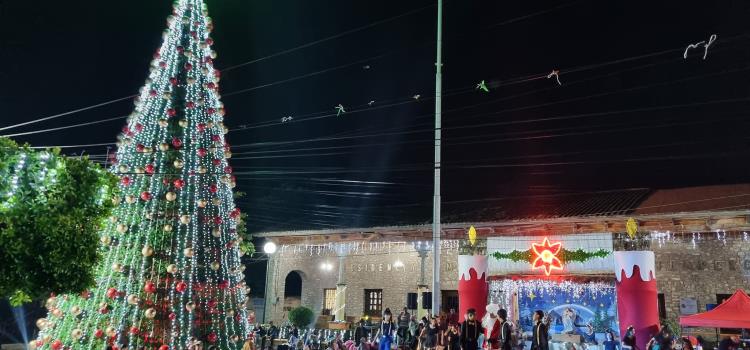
x=698 y=236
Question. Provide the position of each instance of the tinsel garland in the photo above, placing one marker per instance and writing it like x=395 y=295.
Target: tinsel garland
x=565 y=256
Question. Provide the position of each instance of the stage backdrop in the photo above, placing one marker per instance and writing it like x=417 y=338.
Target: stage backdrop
x=587 y=242
x=571 y=306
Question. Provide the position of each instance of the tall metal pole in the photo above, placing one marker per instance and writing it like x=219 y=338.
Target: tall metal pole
x=436 y=199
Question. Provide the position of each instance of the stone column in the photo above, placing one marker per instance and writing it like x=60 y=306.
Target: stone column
x=637 y=294
x=340 y=301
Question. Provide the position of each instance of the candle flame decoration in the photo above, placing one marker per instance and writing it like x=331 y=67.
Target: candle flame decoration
x=472 y=235
x=632 y=227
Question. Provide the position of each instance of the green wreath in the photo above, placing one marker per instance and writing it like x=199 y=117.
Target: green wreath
x=565 y=256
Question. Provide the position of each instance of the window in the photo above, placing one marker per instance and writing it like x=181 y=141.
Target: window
x=662 y=305
x=373 y=302
x=329 y=300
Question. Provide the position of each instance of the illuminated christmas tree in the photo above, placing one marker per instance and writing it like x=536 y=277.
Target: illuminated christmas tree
x=170 y=274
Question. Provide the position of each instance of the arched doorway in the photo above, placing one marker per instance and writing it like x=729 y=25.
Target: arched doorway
x=292 y=290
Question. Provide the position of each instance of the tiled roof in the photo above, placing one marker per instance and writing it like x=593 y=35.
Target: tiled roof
x=692 y=199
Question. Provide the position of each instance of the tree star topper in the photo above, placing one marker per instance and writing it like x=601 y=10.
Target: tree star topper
x=546 y=256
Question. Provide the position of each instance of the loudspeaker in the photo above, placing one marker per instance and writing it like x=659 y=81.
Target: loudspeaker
x=427 y=300
x=411 y=301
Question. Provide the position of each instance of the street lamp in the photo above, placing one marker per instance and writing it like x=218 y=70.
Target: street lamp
x=269 y=248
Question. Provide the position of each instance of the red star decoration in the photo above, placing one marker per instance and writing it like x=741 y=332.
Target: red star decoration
x=546 y=256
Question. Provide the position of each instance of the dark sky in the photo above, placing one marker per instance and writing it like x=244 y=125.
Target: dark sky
x=58 y=56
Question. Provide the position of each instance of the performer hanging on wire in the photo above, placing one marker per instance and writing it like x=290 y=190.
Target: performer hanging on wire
x=387 y=328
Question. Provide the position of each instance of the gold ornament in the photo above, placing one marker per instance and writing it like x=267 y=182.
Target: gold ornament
x=51 y=302
x=122 y=228
x=168 y=228
x=185 y=219
x=113 y=219
x=202 y=203
x=215 y=266
x=150 y=313
x=116 y=200
x=172 y=268
x=164 y=147
x=202 y=170
x=189 y=306
x=147 y=251
x=178 y=164
x=227 y=154
x=76 y=334
x=105 y=240
x=216 y=232
x=171 y=196
x=183 y=123
x=216 y=201
x=188 y=252
x=123 y=168
x=57 y=313
x=130 y=199
x=117 y=267
x=139 y=170
x=632 y=227
x=163 y=123
x=41 y=323
x=148 y=150
x=133 y=299
x=75 y=310
x=472 y=235
x=110 y=331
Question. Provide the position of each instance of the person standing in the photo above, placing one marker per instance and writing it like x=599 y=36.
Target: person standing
x=361 y=332
x=403 y=326
x=470 y=331
x=491 y=328
x=610 y=343
x=452 y=317
x=452 y=339
x=540 y=336
x=430 y=335
x=505 y=334
x=629 y=339
x=387 y=328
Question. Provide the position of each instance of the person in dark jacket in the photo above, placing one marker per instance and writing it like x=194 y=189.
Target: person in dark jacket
x=505 y=337
x=540 y=334
x=629 y=339
x=470 y=331
x=360 y=332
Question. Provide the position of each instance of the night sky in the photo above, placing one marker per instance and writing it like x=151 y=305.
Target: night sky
x=631 y=112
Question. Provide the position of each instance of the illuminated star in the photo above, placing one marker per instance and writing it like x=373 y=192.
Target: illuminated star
x=532 y=296
x=546 y=256
x=416 y=97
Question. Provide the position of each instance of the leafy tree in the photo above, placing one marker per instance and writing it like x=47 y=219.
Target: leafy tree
x=51 y=209
x=301 y=316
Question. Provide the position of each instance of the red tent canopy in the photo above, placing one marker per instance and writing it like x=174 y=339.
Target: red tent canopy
x=732 y=313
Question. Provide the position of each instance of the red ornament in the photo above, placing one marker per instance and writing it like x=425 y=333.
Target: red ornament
x=213 y=188
x=209 y=41
x=85 y=294
x=217 y=73
x=216 y=162
x=150 y=287
x=171 y=112
x=139 y=147
x=173 y=81
x=162 y=64
x=215 y=138
x=134 y=330
x=152 y=93
x=164 y=347
x=125 y=181
x=202 y=152
x=149 y=168
x=179 y=183
x=111 y=293
x=211 y=110
x=212 y=337
x=99 y=333
x=138 y=127
x=157 y=56
x=177 y=143
x=208 y=60
x=201 y=127
x=181 y=287
x=235 y=213
x=104 y=310
x=190 y=104
x=193 y=33
x=224 y=284
x=211 y=86
x=180 y=49
x=165 y=181
x=188 y=66
x=57 y=344
x=212 y=303
x=227 y=169
x=218 y=220
x=146 y=195
x=172 y=316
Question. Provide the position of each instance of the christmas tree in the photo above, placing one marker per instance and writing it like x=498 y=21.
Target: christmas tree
x=170 y=274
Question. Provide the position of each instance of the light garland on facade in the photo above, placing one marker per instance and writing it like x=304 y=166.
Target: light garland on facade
x=358 y=248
